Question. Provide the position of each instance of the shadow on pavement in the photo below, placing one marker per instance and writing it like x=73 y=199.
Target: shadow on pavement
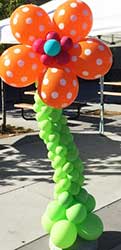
x=27 y=158
x=100 y=154
x=17 y=113
x=109 y=240
x=111 y=124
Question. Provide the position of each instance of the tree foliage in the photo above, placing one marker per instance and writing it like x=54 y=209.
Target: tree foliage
x=7 y=7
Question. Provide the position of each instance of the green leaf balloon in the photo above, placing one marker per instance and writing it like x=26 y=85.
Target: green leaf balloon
x=91 y=228
x=63 y=234
x=77 y=213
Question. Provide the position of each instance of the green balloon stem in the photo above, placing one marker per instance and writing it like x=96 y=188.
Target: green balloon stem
x=71 y=211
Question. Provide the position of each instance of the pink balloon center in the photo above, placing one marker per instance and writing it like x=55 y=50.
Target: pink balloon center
x=53 y=35
x=66 y=43
x=62 y=57
x=47 y=60
x=38 y=45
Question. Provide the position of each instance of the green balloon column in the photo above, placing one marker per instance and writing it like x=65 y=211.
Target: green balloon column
x=70 y=214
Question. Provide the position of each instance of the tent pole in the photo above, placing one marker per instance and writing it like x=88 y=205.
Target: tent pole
x=3 y=104
x=101 y=124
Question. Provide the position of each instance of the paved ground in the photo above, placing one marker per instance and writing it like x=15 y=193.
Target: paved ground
x=26 y=180
x=111 y=238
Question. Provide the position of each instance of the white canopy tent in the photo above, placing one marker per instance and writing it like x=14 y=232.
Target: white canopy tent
x=106 y=18
x=106 y=22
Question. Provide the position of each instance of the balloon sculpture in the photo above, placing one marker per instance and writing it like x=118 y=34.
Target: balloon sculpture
x=53 y=53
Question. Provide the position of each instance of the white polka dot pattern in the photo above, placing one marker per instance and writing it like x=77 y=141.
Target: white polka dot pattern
x=62 y=12
x=20 y=66
x=32 y=55
x=15 y=20
x=31 y=38
x=84 y=26
x=76 y=46
x=62 y=82
x=23 y=79
x=69 y=95
x=46 y=81
x=101 y=47
x=20 y=63
x=67 y=70
x=29 y=21
x=61 y=26
x=9 y=73
x=73 y=32
x=94 y=60
x=5 y=52
x=89 y=41
x=85 y=12
x=64 y=105
x=17 y=35
x=54 y=95
x=7 y=62
x=17 y=51
x=34 y=66
x=74 y=83
x=74 y=19
x=59 y=87
x=87 y=52
x=85 y=73
x=41 y=28
x=97 y=76
x=74 y=58
x=54 y=70
x=43 y=94
x=25 y=9
x=73 y=5
x=13 y=85
x=39 y=13
x=99 y=61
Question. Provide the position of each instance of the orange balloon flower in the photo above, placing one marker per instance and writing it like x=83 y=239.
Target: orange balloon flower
x=54 y=52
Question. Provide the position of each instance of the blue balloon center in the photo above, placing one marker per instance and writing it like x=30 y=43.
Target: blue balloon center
x=52 y=47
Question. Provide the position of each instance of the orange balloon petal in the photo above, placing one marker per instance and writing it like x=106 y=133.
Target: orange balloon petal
x=94 y=61
x=20 y=66
x=29 y=22
x=40 y=78
x=74 y=19
x=59 y=88
x=75 y=50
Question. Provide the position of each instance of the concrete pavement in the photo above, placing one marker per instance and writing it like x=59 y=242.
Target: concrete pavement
x=26 y=179
x=111 y=238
